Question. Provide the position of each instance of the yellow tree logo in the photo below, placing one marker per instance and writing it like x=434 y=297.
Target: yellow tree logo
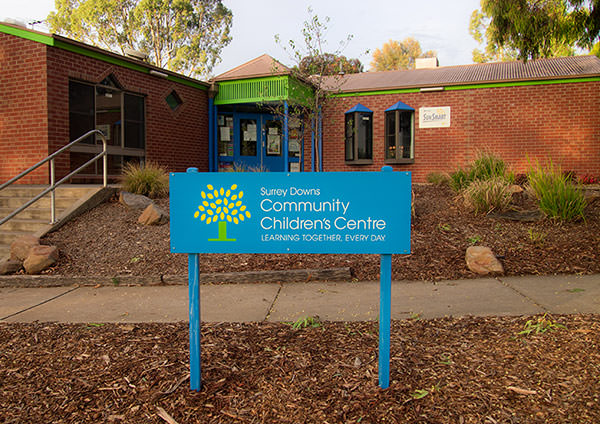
x=222 y=206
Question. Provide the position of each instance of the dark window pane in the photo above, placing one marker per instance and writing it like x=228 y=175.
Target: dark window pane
x=248 y=136
x=134 y=122
x=405 y=135
x=81 y=110
x=365 y=136
x=349 y=144
x=173 y=100
x=390 y=135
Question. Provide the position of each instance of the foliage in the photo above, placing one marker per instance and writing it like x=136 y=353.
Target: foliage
x=396 y=55
x=485 y=196
x=534 y=28
x=437 y=178
x=149 y=180
x=589 y=179
x=486 y=166
x=329 y=64
x=323 y=85
x=540 y=326
x=305 y=322
x=181 y=35
x=474 y=239
x=557 y=196
x=536 y=237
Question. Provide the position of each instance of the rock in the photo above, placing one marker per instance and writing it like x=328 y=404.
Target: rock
x=153 y=215
x=10 y=266
x=40 y=258
x=134 y=201
x=514 y=189
x=19 y=249
x=481 y=260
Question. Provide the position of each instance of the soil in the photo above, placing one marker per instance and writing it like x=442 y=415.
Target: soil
x=108 y=241
x=470 y=370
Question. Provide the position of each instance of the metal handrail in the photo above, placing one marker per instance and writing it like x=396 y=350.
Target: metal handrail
x=53 y=183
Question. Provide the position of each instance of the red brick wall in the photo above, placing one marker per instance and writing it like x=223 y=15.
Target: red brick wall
x=34 y=110
x=23 y=108
x=174 y=139
x=558 y=121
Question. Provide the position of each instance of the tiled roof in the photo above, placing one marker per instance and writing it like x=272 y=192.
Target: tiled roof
x=541 y=69
x=262 y=66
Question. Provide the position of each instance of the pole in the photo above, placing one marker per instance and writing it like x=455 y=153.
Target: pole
x=194 y=306
x=385 y=317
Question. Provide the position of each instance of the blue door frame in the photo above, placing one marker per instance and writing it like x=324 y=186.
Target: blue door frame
x=258 y=141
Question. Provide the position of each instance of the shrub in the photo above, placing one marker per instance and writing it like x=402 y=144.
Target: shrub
x=459 y=180
x=485 y=196
x=557 y=196
x=486 y=166
x=147 y=179
x=437 y=178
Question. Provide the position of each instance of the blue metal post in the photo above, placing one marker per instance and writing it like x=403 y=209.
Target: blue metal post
x=312 y=144
x=194 y=306
x=320 y=141
x=211 y=139
x=286 y=158
x=385 y=316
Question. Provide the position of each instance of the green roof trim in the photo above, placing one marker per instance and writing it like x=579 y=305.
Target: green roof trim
x=265 y=89
x=470 y=86
x=27 y=34
x=92 y=52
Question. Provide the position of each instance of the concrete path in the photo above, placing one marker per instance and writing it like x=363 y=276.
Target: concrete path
x=346 y=301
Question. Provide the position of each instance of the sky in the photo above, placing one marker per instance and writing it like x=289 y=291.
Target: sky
x=439 y=25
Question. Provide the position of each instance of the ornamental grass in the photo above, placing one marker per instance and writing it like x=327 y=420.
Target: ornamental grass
x=147 y=179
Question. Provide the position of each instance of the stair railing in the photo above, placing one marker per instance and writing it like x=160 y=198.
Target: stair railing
x=53 y=183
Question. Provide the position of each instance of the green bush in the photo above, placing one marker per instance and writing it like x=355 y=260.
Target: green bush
x=149 y=179
x=437 y=178
x=557 y=196
x=459 y=180
x=485 y=196
x=486 y=166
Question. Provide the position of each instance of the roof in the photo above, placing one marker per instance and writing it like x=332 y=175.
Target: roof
x=533 y=70
x=262 y=66
x=65 y=43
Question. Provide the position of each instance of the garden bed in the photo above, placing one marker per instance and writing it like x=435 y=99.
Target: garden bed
x=109 y=241
x=470 y=370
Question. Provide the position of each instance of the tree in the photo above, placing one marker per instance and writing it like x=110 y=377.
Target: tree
x=316 y=72
x=330 y=63
x=185 y=36
x=541 y=28
x=395 y=55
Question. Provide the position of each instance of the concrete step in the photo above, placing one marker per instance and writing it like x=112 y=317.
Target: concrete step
x=25 y=225
x=31 y=212
x=7 y=237
x=30 y=191
x=14 y=202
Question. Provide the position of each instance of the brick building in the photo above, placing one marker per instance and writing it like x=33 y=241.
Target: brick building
x=433 y=119
x=53 y=90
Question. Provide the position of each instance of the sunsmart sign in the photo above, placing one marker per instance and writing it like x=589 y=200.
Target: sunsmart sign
x=340 y=212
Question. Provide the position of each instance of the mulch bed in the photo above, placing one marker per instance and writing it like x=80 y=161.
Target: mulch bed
x=469 y=370
x=109 y=241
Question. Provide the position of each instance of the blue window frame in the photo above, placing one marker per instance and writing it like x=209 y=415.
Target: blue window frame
x=358 y=144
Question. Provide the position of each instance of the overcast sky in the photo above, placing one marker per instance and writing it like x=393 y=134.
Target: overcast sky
x=439 y=25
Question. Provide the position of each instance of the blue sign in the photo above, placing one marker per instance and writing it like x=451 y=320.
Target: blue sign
x=273 y=212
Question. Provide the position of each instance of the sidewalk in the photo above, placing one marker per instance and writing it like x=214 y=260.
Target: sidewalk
x=564 y=294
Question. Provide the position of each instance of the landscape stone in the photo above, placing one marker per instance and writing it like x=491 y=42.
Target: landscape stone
x=10 y=266
x=40 y=258
x=153 y=215
x=19 y=249
x=481 y=260
x=134 y=201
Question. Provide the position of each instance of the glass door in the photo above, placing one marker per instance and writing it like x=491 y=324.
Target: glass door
x=248 y=135
x=272 y=132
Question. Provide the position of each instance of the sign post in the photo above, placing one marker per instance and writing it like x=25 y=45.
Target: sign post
x=335 y=212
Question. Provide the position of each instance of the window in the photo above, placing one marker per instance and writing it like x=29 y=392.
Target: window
x=120 y=116
x=399 y=134
x=173 y=100
x=358 y=144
